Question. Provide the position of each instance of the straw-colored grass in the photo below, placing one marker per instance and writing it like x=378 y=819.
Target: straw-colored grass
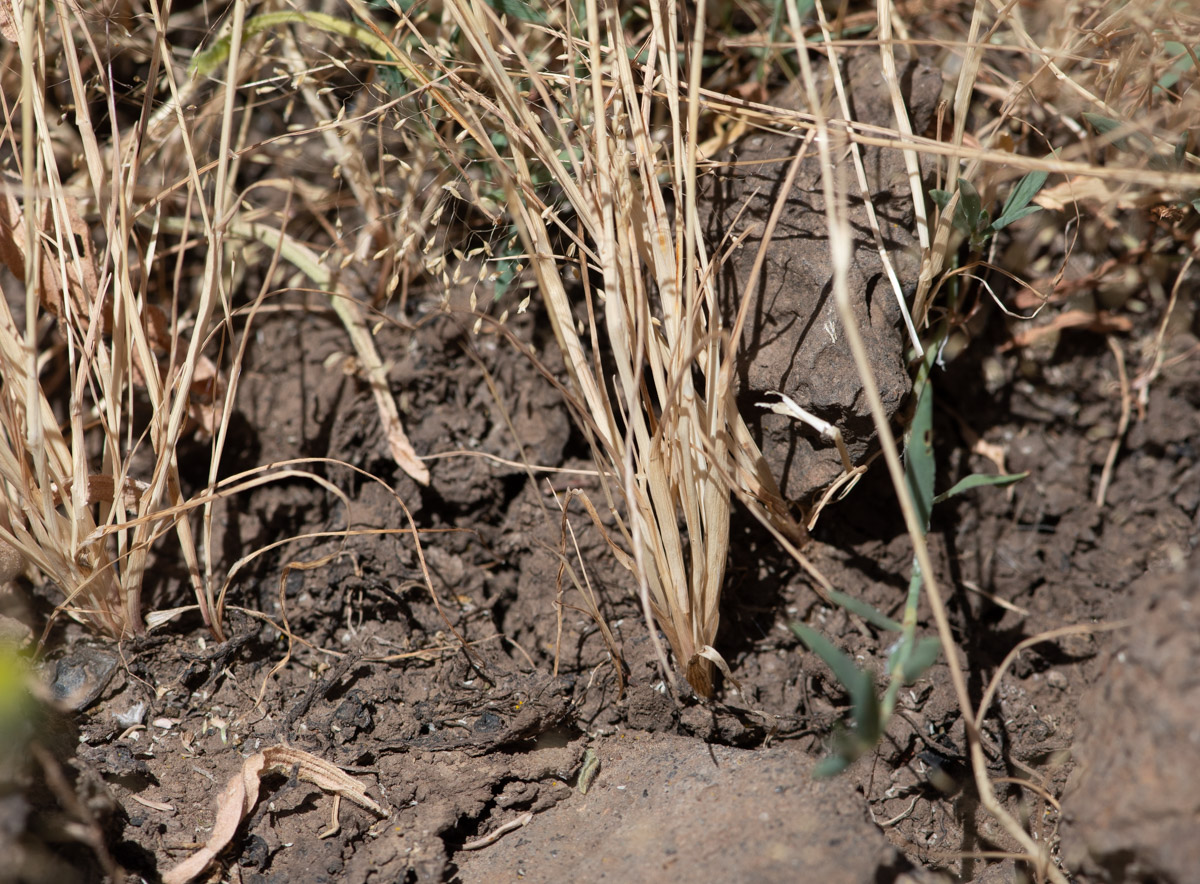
x=91 y=483
x=652 y=371
x=585 y=141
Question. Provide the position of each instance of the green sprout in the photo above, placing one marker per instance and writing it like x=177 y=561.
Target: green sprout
x=975 y=222
x=910 y=656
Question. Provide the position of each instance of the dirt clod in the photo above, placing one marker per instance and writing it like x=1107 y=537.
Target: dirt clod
x=665 y=808
x=1130 y=807
x=793 y=342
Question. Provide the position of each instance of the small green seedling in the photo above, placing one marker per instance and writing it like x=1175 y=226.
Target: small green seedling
x=910 y=656
x=975 y=222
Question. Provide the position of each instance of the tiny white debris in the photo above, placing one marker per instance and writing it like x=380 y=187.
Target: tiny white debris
x=133 y=715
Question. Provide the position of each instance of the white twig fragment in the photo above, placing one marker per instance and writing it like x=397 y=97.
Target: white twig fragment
x=500 y=832
x=789 y=408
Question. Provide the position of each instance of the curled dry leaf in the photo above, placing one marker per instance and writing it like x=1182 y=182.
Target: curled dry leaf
x=241 y=794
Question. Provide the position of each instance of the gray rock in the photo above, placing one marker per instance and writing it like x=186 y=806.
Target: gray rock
x=793 y=341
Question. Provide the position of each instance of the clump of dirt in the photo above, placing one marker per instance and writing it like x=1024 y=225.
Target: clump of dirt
x=792 y=342
x=670 y=808
x=1130 y=805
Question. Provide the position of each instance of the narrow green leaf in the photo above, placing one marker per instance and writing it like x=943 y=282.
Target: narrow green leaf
x=1019 y=198
x=803 y=7
x=1027 y=188
x=942 y=198
x=920 y=658
x=1180 y=65
x=831 y=766
x=868 y=715
x=843 y=668
x=1102 y=124
x=919 y=466
x=977 y=480
x=518 y=9
x=1132 y=141
x=1007 y=218
x=868 y=612
x=971 y=203
x=857 y=682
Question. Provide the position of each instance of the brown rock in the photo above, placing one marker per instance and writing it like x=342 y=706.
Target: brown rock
x=1131 y=809
x=793 y=341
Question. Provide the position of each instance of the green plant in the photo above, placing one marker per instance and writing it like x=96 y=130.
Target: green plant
x=975 y=222
x=910 y=656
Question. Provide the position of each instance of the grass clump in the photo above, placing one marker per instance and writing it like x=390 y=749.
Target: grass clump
x=666 y=434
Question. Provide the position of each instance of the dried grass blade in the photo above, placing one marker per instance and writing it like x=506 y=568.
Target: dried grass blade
x=240 y=795
x=349 y=311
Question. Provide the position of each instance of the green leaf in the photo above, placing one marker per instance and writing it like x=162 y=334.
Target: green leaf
x=1132 y=141
x=1017 y=205
x=831 y=766
x=978 y=480
x=1007 y=218
x=1027 y=188
x=971 y=204
x=518 y=9
x=1181 y=64
x=942 y=198
x=1102 y=124
x=919 y=465
x=803 y=8
x=869 y=613
x=857 y=682
x=920 y=658
x=848 y=675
